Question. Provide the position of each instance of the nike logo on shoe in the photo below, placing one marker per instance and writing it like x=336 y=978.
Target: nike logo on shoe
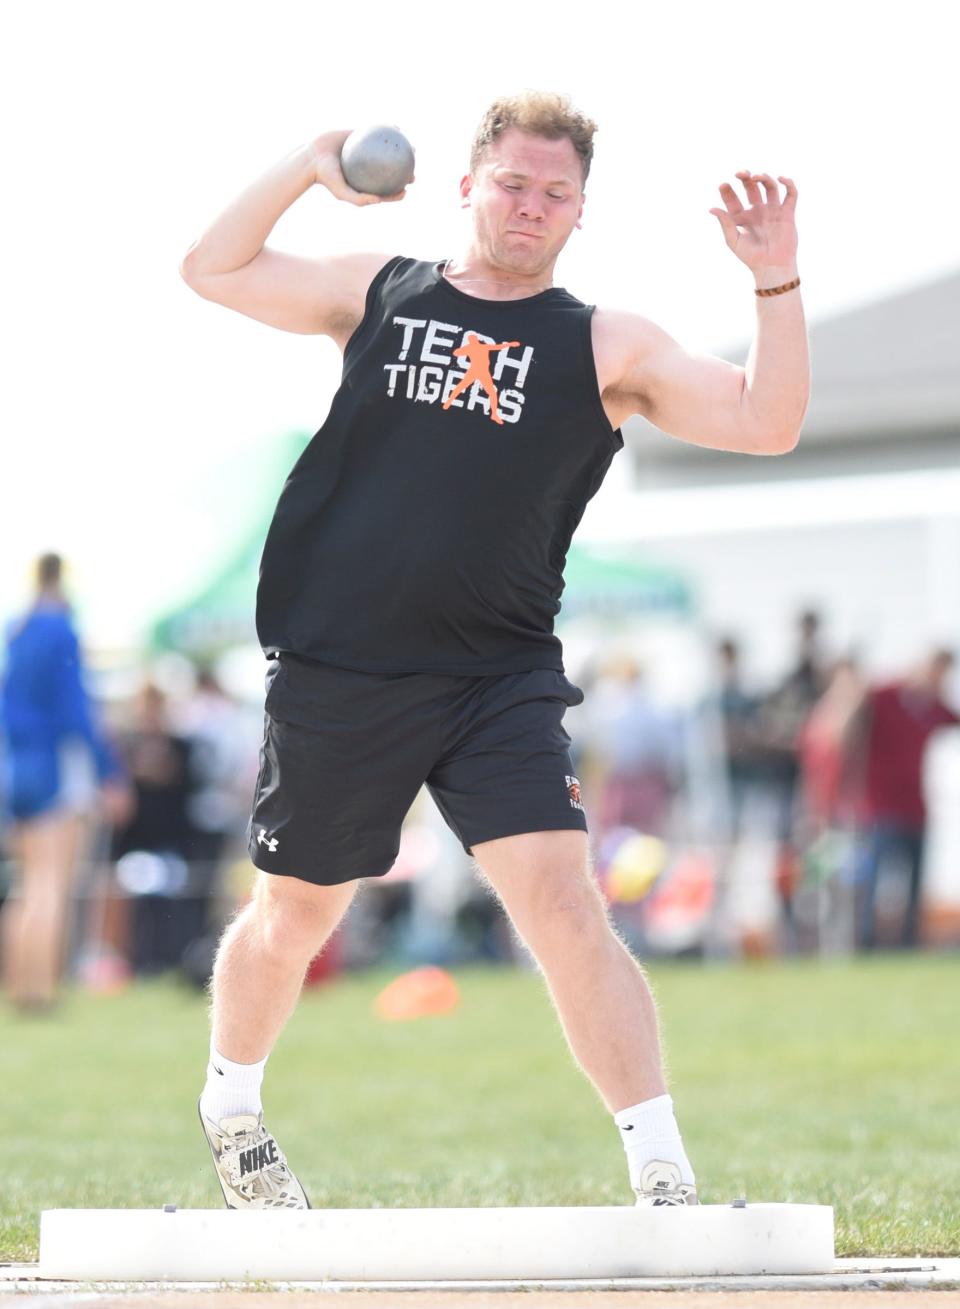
x=259 y=1157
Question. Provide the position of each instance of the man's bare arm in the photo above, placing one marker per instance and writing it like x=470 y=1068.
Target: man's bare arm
x=757 y=409
x=230 y=264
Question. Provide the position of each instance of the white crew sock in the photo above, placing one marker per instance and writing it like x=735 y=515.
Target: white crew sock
x=649 y=1131
x=231 y=1088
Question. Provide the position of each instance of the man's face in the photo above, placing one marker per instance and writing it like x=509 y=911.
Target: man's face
x=526 y=200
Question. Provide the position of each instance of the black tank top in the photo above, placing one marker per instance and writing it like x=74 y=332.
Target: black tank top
x=425 y=527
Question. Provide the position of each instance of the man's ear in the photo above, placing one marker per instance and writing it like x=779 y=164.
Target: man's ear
x=466 y=185
x=583 y=196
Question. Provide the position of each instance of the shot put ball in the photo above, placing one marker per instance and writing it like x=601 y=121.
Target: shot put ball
x=377 y=160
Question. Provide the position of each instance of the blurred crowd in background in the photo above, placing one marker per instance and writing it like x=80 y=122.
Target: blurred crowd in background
x=784 y=818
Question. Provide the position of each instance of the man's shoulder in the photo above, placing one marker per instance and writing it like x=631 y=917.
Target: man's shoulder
x=617 y=328
x=621 y=338
x=615 y=321
x=404 y=273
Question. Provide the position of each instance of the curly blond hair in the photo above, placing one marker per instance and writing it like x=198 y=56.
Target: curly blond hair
x=541 y=113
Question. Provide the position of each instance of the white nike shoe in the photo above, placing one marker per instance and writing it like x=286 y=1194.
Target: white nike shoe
x=251 y=1168
x=660 y=1184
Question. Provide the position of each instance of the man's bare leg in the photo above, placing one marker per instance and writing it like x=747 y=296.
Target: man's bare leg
x=257 y=978
x=262 y=960
x=599 y=990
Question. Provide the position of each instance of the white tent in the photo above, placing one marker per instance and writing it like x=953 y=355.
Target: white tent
x=885 y=397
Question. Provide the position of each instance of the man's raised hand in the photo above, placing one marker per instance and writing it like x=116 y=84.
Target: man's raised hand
x=326 y=153
x=765 y=234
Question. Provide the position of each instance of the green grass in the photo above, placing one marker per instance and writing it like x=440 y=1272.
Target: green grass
x=830 y=1083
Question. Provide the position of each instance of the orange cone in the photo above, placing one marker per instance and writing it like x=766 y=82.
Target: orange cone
x=428 y=990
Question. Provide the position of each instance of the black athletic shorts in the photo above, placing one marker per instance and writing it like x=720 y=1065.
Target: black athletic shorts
x=345 y=754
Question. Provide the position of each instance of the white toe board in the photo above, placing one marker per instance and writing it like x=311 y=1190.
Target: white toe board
x=364 y=1245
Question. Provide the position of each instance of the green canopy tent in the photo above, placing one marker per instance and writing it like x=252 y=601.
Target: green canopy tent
x=600 y=585
x=220 y=615
x=604 y=583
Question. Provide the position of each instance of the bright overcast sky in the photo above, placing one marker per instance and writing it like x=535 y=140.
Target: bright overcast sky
x=129 y=126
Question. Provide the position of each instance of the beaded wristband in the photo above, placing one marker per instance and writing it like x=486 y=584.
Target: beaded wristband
x=777 y=290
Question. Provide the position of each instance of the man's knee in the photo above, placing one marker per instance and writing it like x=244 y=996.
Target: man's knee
x=570 y=897
x=294 y=914
x=548 y=888
x=576 y=912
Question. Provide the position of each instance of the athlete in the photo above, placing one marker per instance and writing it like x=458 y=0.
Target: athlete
x=411 y=575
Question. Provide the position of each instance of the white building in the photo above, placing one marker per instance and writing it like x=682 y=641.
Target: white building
x=861 y=520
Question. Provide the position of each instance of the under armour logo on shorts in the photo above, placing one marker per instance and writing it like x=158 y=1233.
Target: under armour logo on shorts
x=270 y=842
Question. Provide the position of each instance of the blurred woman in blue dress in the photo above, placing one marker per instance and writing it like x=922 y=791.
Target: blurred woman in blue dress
x=59 y=772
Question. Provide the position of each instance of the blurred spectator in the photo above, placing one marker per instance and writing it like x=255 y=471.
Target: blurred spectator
x=828 y=765
x=641 y=745
x=897 y=719
x=811 y=671
x=738 y=718
x=216 y=730
x=829 y=789
x=60 y=770
x=151 y=850
x=781 y=716
x=223 y=760
x=741 y=814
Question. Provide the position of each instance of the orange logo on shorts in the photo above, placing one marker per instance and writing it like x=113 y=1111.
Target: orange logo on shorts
x=573 y=789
